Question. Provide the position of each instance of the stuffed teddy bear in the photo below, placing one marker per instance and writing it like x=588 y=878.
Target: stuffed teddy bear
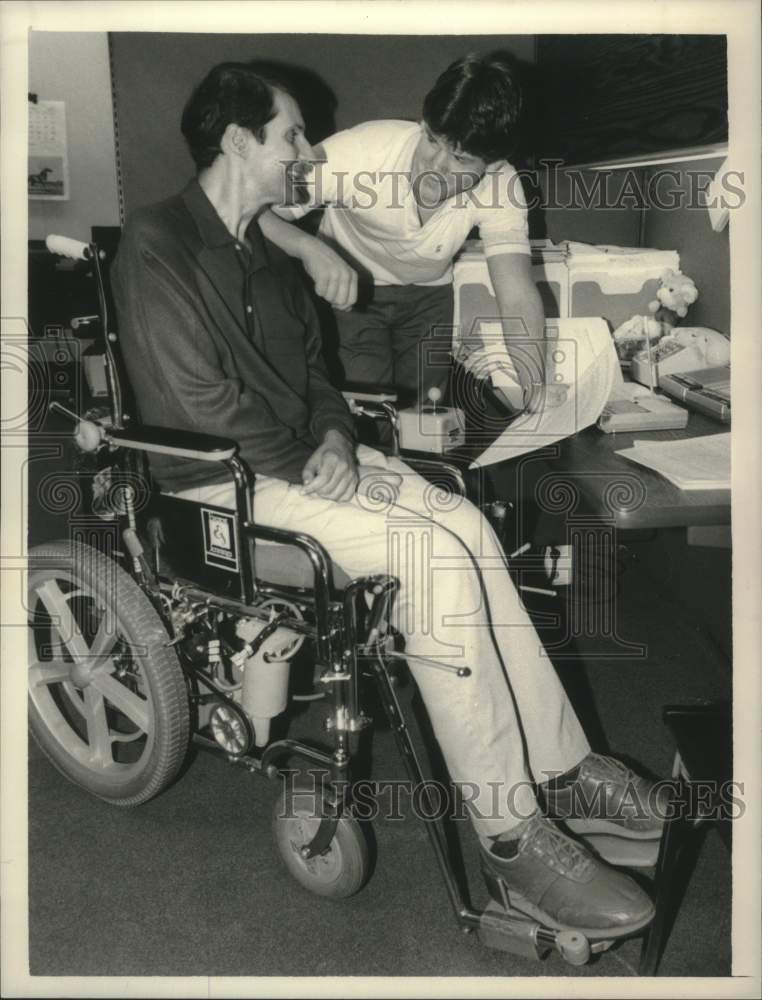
x=675 y=293
x=673 y=296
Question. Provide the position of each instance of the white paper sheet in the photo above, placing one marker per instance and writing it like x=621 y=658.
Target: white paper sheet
x=694 y=464
x=581 y=355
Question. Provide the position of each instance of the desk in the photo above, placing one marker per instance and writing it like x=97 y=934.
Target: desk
x=636 y=497
x=610 y=487
x=615 y=498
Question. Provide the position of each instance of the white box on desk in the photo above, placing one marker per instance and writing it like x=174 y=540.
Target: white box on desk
x=616 y=285
x=432 y=428
x=475 y=296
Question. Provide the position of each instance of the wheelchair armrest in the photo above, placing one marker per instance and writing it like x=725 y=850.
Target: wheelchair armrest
x=377 y=404
x=181 y=444
x=362 y=393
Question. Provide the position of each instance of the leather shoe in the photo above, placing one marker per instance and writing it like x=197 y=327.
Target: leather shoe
x=607 y=797
x=555 y=880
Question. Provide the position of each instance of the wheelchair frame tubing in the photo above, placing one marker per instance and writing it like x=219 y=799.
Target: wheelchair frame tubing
x=465 y=915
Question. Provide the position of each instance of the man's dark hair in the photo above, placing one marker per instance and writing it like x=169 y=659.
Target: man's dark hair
x=230 y=93
x=475 y=105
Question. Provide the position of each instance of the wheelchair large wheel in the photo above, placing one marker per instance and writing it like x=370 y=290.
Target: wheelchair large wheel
x=108 y=703
x=344 y=867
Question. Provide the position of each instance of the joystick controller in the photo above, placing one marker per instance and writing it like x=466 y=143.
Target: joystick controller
x=432 y=427
x=433 y=395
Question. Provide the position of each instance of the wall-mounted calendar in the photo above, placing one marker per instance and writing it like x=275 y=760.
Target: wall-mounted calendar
x=48 y=168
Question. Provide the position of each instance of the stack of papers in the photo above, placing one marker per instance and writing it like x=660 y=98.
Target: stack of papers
x=580 y=356
x=544 y=251
x=584 y=255
x=547 y=252
x=701 y=463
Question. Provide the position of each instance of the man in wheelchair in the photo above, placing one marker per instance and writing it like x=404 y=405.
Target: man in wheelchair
x=219 y=337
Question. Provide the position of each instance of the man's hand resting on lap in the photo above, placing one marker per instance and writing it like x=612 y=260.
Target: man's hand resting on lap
x=331 y=470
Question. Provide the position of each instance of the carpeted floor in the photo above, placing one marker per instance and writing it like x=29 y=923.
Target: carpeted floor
x=190 y=883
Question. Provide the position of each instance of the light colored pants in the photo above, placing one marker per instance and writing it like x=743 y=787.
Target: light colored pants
x=456 y=604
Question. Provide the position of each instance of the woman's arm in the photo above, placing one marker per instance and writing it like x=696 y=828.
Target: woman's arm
x=335 y=281
x=523 y=320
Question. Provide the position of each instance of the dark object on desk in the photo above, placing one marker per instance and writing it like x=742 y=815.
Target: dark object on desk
x=703 y=737
x=66 y=348
x=56 y=293
x=706 y=390
x=58 y=290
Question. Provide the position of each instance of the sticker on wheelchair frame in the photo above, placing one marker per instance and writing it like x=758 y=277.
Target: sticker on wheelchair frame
x=220 y=548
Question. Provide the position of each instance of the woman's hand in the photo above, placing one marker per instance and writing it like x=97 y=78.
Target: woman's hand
x=335 y=281
x=544 y=397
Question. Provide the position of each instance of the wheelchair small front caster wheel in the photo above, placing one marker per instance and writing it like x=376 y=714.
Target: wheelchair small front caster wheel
x=573 y=947
x=342 y=869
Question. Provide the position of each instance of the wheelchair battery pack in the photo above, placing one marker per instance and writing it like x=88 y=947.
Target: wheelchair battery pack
x=436 y=429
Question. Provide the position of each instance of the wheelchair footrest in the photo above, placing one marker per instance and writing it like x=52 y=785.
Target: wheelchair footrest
x=513 y=932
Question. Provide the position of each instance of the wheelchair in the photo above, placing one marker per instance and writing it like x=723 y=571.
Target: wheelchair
x=181 y=624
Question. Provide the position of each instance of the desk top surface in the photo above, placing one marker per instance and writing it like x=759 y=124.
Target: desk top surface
x=637 y=497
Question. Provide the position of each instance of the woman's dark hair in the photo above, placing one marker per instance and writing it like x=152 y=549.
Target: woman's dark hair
x=475 y=104
x=229 y=93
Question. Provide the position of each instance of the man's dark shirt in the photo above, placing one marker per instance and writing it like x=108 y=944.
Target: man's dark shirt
x=222 y=338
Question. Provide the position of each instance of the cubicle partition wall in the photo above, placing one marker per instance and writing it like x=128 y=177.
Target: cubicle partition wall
x=346 y=79
x=342 y=80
